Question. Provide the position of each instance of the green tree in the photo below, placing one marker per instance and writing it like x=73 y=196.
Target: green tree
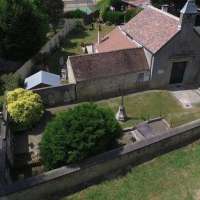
x=175 y=4
x=24 y=107
x=23 y=28
x=78 y=133
x=130 y=13
x=9 y=82
x=55 y=10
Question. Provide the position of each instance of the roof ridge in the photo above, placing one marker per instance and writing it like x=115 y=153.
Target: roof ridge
x=128 y=37
x=163 y=12
x=88 y=55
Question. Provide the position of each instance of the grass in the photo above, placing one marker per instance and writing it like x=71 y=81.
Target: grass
x=72 y=44
x=146 y=105
x=173 y=176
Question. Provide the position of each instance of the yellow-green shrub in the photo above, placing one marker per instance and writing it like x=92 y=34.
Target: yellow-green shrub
x=24 y=107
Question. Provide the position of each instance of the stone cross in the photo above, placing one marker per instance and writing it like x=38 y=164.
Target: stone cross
x=121 y=113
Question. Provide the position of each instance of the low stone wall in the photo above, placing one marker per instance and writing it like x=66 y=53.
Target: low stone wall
x=59 y=95
x=53 y=43
x=70 y=178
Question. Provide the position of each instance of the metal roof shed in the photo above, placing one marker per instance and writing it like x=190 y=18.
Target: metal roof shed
x=41 y=79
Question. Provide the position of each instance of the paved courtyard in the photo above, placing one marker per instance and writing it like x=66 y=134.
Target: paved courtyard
x=187 y=97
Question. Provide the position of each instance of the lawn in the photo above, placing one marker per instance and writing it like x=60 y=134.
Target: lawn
x=173 y=176
x=72 y=44
x=146 y=105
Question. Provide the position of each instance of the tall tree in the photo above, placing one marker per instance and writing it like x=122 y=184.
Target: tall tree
x=54 y=9
x=176 y=5
x=23 y=28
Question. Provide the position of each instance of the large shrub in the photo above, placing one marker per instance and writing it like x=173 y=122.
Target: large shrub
x=115 y=17
x=24 y=107
x=78 y=133
x=9 y=82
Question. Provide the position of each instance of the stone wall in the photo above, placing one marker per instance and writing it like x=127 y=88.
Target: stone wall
x=59 y=95
x=53 y=43
x=113 y=86
x=71 y=178
x=6 y=150
x=92 y=89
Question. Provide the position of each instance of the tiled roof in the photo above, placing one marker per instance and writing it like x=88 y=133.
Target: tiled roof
x=115 y=40
x=138 y=3
x=107 y=64
x=152 y=28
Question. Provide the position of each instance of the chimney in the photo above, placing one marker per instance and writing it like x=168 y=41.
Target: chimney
x=165 y=7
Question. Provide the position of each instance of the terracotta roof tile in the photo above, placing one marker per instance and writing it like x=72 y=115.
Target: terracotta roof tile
x=106 y=64
x=152 y=28
x=115 y=40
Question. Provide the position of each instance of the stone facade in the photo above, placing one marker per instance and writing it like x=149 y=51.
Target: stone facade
x=184 y=47
x=111 y=86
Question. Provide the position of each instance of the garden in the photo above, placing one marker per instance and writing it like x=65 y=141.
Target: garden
x=82 y=130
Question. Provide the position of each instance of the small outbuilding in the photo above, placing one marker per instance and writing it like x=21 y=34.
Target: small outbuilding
x=42 y=79
x=109 y=73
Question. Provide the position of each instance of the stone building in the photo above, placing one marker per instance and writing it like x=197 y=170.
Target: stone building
x=109 y=73
x=170 y=46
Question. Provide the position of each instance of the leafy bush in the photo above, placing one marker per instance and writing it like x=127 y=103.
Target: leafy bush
x=131 y=13
x=116 y=4
x=104 y=4
x=75 y=14
x=116 y=17
x=78 y=133
x=1 y=102
x=9 y=82
x=24 y=107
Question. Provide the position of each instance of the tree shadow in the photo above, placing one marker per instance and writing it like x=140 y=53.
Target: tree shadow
x=26 y=145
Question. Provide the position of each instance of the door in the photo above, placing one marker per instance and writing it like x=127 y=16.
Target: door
x=177 y=73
